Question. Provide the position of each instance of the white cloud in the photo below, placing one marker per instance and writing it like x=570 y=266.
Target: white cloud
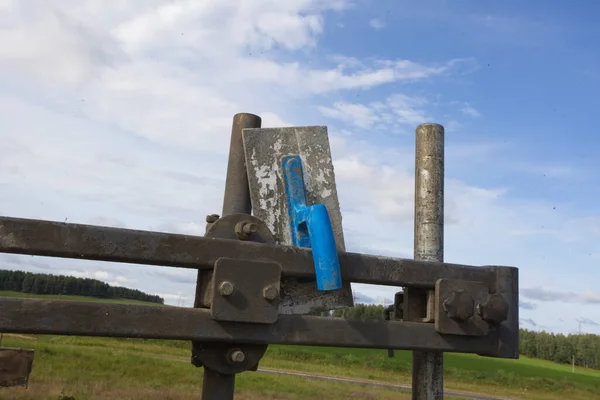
x=52 y=47
x=377 y=23
x=260 y=24
x=395 y=111
x=359 y=115
x=169 y=68
x=105 y=276
x=542 y=294
x=184 y=227
x=470 y=111
x=121 y=116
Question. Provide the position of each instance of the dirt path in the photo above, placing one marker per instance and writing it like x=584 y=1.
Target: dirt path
x=368 y=383
x=374 y=384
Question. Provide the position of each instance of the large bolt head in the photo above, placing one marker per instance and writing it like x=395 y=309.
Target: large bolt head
x=250 y=227
x=494 y=309
x=226 y=288
x=244 y=228
x=238 y=356
x=459 y=306
x=270 y=292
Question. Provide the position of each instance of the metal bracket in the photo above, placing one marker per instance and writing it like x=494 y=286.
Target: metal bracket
x=242 y=227
x=245 y=291
x=418 y=305
x=15 y=366
x=455 y=310
x=232 y=358
x=226 y=358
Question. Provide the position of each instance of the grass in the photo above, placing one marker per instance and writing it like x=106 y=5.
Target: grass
x=523 y=378
x=82 y=369
x=74 y=298
x=94 y=368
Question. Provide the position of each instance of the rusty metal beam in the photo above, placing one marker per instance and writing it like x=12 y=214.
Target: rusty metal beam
x=60 y=317
x=57 y=239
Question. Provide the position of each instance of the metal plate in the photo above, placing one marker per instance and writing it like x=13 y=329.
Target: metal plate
x=15 y=366
x=211 y=355
x=474 y=326
x=264 y=149
x=225 y=228
x=218 y=357
x=245 y=300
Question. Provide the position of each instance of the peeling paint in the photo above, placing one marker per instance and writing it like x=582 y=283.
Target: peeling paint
x=265 y=148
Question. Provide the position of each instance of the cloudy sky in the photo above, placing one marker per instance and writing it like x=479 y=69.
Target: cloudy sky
x=119 y=113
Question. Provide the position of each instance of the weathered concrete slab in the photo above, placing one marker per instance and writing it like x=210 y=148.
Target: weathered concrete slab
x=264 y=149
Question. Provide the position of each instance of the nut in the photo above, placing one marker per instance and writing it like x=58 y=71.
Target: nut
x=196 y=362
x=459 y=306
x=249 y=227
x=237 y=356
x=212 y=218
x=226 y=288
x=494 y=309
x=270 y=292
x=244 y=228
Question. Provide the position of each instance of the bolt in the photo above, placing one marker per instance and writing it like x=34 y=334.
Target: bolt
x=196 y=362
x=212 y=218
x=237 y=356
x=226 y=288
x=245 y=228
x=249 y=227
x=270 y=292
x=459 y=306
x=494 y=309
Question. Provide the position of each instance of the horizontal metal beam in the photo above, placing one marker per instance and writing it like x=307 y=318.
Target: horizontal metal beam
x=56 y=239
x=60 y=317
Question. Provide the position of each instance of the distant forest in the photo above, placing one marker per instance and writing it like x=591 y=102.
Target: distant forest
x=27 y=282
x=559 y=348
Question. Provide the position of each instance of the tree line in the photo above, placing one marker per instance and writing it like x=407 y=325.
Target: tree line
x=28 y=282
x=584 y=349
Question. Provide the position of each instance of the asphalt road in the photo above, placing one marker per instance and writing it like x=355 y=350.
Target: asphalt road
x=375 y=384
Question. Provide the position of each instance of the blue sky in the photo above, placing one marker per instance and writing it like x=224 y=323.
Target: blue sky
x=120 y=115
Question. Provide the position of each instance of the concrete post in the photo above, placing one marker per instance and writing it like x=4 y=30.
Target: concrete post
x=428 y=367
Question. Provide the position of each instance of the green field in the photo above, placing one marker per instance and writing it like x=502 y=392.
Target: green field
x=95 y=368
x=75 y=298
x=523 y=378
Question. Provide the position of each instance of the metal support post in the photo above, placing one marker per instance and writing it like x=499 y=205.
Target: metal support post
x=235 y=200
x=237 y=192
x=217 y=386
x=428 y=367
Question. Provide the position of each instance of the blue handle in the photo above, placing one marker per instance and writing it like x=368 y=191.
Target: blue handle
x=311 y=227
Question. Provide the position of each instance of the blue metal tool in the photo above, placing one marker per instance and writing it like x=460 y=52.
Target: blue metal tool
x=311 y=226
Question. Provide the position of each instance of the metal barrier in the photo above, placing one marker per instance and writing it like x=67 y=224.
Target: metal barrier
x=444 y=307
